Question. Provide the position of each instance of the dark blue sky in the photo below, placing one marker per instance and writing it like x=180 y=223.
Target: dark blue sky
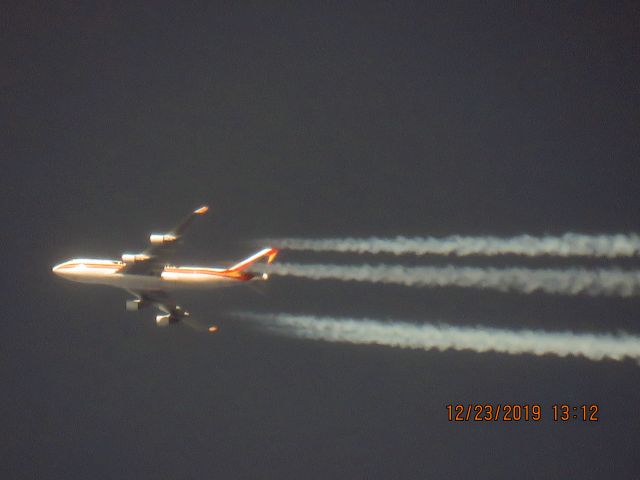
x=332 y=119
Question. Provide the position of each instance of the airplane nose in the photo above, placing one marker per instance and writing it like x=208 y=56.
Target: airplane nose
x=55 y=269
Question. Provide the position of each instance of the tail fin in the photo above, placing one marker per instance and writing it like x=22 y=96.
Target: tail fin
x=269 y=253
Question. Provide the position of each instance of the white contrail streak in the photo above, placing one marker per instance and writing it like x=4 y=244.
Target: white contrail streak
x=567 y=245
x=445 y=337
x=570 y=281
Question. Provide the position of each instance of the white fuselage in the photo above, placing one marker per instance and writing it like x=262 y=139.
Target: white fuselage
x=107 y=272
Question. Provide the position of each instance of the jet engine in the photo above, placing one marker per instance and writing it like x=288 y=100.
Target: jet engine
x=134 y=257
x=134 y=305
x=165 y=320
x=162 y=238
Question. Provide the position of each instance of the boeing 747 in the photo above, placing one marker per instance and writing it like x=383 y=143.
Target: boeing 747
x=149 y=276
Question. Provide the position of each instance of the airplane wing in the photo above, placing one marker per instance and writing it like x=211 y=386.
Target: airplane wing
x=163 y=301
x=173 y=312
x=160 y=298
x=153 y=260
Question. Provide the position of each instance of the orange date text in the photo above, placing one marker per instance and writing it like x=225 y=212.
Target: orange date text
x=489 y=412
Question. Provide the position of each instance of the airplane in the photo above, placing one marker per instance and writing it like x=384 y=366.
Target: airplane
x=150 y=277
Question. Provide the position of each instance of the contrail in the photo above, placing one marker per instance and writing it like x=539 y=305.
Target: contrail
x=570 y=281
x=567 y=245
x=445 y=337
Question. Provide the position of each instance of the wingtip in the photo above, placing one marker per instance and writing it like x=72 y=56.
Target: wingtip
x=202 y=210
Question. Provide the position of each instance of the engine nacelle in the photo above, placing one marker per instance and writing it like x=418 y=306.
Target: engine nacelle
x=162 y=238
x=134 y=305
x=165 y=320
x=134 y=257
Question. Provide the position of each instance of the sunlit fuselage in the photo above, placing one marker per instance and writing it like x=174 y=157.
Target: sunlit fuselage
x=107 y=272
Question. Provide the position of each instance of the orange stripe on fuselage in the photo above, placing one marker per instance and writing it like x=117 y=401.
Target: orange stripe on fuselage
x=92 y=265
x=183 y=270
x=207 y=271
